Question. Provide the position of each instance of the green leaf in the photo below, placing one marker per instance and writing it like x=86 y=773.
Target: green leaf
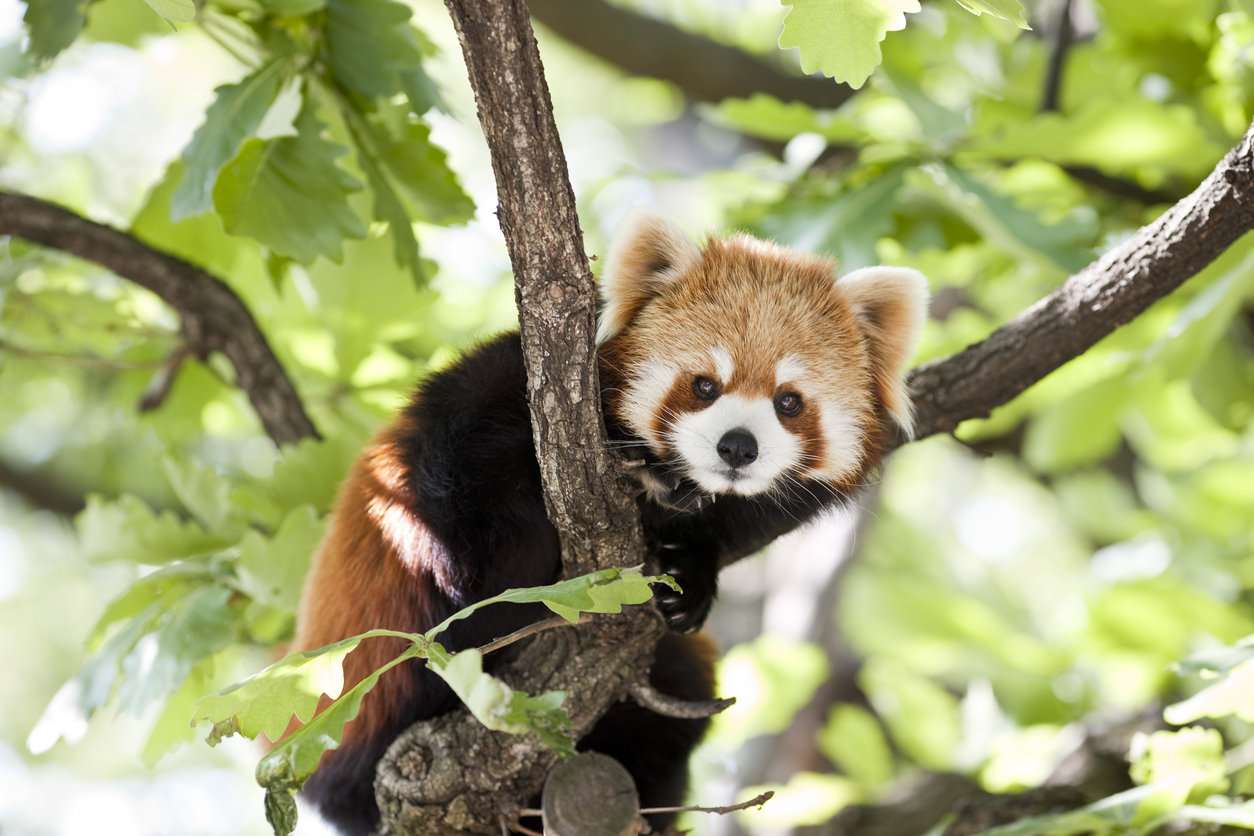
x=171 y=728
x=128 y=529
x=1188 y=762
x=842 y=37
x=1217 y=661
x=310 y=472
x=281 y=810
x=420 y=170
x=266 y=702
x=1079 y=429
x=53 y=25
x=206 y=494
x=853 y=740
x=847 y=225
x=273 y=570
x=175 y=11
x=1011 y=10
x=163 y=586
x=614 y=587
x=194 y=628
x=765 y=116
x=1233 y=694
x=232 y=118
x=501 y=708
x=289 y=194
x=368 y=45
x=1017 y=232
x=294 y=758
x=1115 y=134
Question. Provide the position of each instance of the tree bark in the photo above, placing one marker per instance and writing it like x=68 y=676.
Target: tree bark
x=214 y=318
x=1110 y=292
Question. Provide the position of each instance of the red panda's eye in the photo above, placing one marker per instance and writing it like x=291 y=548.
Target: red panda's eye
x=788 y=403
x=705 y=388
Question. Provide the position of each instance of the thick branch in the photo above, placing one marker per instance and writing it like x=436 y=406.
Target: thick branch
x=553 y=285
x=450 y=775
x=1091 y=304
x=214 y=318
x=705 y=69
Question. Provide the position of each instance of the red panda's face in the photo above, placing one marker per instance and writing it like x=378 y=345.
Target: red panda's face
x=747 y=365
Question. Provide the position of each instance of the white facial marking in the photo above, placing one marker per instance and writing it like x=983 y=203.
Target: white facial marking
x=723 y=364
x=843 y=443
x=696 y=436
x=648 y=388
x=788 y=369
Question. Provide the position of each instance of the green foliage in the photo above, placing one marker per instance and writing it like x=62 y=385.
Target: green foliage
x=233 y=117
x=292 y=687
x=175 y=11
x=53 y=26
x=289 y=194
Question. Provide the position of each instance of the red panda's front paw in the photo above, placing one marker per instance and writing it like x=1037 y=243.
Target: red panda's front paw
x=685 y=612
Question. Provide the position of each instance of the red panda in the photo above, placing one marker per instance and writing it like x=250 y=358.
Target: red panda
x=758 y=389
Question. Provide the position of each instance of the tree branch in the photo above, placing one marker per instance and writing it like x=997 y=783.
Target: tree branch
x=1091 y=304
x=450 y=775
x=214 y=318
x=705 y=69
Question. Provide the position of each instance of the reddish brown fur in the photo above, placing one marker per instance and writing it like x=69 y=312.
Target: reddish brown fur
x=365 y=578
x=761 y=303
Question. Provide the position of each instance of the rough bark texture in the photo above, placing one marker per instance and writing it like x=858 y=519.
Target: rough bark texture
x=705 y=69
x=1108 y=293
x=214 y=318
x=450 y=775
x=553 y=285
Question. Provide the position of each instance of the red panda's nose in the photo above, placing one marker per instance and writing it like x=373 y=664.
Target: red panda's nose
x=738 y=448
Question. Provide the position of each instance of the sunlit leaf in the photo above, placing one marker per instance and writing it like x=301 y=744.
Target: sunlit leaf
x=1011 y=10
x=842 y=38
x=499 y=707
x=175 y=11
x=1233 y=694
x=291 y=687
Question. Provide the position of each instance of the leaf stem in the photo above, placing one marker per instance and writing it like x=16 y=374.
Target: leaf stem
x=530 y=630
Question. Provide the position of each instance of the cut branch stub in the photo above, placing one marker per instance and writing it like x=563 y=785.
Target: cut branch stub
x=590 y=795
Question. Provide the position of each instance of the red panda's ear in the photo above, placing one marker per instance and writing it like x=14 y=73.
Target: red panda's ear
x=648 y=253
x=891 y=306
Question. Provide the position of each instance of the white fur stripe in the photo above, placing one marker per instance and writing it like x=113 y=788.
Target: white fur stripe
x=723 y=363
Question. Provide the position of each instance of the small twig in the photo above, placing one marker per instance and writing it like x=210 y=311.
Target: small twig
x=530 y=630
x=516 y=826
x=668 y=706
x=84 y=361
x=159 y=385
x=745 y=805
x=1063 y=36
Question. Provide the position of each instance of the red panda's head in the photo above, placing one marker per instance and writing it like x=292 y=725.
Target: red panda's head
x=747 y=364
